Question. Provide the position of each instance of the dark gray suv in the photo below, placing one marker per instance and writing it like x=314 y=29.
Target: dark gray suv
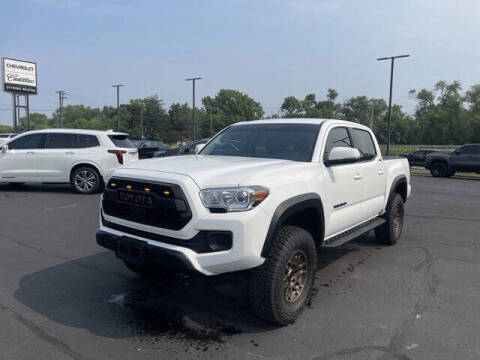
x=465 y=158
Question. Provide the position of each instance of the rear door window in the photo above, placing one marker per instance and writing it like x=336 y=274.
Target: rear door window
x=122 y=141
x=61 y=141
x=364 y=143
x=87 y=141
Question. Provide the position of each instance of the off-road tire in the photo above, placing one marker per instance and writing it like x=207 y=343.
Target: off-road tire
x=391 y=230
x=439 y=170
x=86 y=172
x=267 y=285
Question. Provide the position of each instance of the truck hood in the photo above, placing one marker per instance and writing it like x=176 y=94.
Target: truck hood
x=216 y=171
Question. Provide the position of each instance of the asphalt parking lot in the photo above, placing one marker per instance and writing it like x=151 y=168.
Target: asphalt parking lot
x=63 y=297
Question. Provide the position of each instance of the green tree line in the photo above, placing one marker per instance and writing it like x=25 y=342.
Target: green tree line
x=443 y=115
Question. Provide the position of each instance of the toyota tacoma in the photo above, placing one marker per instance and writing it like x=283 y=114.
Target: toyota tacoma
x=260 y=197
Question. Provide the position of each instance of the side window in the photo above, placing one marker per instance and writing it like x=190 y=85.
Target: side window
x=87 y=141
x=61 y=141
x=338 y=137
x=33 y=141
x=364 y=143
x=470 y=150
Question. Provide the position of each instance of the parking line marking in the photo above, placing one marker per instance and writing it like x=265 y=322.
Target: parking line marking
x=62 y=207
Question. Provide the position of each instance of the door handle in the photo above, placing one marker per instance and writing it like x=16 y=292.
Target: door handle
x=357 y=177
x=70 y=153
x=381 y=172
x=30 y=152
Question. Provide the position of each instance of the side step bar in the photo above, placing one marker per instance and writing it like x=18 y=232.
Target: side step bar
x=353 y=233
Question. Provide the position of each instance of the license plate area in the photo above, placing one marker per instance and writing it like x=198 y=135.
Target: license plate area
x=132 y=251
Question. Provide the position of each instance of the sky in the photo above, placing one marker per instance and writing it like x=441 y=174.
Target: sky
x=268 y=49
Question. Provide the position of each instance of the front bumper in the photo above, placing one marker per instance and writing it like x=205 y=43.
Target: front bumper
x=247 y=229
x=148 y=255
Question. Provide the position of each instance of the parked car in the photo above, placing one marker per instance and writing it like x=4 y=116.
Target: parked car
x=417 y=158
x=80 y=157
x=188 y=149
x=261 y=196
x=6 y=136
x=147 y=148
x=465 y=158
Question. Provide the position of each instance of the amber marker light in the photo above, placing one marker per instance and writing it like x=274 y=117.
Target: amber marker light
x=258 y=196
x=129 y=187
x=147 y=189
x=166 y=192
x=113 y=185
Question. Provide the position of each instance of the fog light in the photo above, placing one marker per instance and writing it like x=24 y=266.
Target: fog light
x=219 y=241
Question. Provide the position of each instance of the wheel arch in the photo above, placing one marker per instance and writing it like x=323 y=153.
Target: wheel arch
x=399 y=186
x=290 y=212
x=87 y=164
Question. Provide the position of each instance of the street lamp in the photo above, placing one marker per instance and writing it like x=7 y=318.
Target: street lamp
x=118 y=103
x=392 y=59
x=193 y=103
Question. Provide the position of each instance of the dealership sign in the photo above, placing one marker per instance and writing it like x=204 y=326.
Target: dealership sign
x=19 y=76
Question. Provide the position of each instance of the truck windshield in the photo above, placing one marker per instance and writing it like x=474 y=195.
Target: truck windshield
x=276 y=141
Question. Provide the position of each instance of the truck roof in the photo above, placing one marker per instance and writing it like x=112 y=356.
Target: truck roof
x=300 y=121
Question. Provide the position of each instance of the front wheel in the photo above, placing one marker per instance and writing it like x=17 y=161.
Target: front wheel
x=390 y=232
x=280 y=288
x=439 y=170
x=85 y=180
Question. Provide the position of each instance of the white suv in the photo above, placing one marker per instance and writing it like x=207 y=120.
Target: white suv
x=80 y=157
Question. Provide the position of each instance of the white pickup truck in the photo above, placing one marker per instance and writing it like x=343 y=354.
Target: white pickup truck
x=261 y=196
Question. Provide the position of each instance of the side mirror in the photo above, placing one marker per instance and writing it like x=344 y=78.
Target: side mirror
x=4 y=148
x=198 y=148
x=343 y=155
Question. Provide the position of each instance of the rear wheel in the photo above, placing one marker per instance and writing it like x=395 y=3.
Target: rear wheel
x=439 y=170
x=85 y=180
x=280 y=288
x=390 y=232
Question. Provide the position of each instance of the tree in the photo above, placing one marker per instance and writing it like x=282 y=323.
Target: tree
x=228 y=107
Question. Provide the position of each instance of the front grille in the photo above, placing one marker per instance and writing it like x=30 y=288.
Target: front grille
x=168 y=208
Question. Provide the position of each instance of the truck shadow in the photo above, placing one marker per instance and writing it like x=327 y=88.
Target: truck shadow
x=98 y=294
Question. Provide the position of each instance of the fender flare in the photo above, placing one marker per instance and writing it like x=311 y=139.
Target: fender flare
x=397 y=181
x=288 y=208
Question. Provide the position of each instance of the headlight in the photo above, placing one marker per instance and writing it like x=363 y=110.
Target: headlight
x=233 y=199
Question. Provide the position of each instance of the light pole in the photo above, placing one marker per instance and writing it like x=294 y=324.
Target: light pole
x=193 y=103
x=392 y=59
x=372 y=108
x=61 y=97
x=118 y=103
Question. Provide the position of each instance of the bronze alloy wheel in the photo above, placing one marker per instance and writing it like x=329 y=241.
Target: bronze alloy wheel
x=397 y=221
x=295 y=276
